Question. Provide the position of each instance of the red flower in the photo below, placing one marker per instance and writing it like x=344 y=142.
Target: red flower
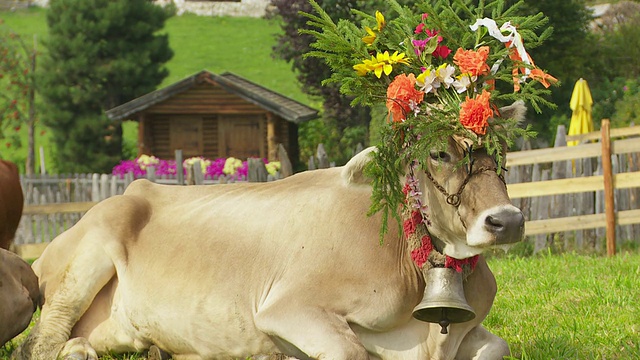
x=400 y=94
x=409 y=225
x=421 y=254
x=475 y=113
x=457 y=264
x=442 y=51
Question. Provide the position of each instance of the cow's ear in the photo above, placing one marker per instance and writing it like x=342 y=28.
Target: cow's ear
x=353 y=171
x=517 y=111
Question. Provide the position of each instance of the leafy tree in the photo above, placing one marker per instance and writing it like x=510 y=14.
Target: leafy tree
x=101 y=53
x=351 y=124
x=17 y=102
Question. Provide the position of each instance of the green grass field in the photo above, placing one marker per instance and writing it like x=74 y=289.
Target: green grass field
x=218 y=44
x=561 y=307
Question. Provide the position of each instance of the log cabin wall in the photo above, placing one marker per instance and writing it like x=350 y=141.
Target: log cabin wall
x=208 y=121
x=215 y=116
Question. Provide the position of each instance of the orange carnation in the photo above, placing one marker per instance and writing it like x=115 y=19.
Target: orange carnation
x=472 y=61
x=401 y=93
x=475 y=113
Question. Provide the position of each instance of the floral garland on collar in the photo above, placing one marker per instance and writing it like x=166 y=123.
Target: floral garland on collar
x=441 y=72
x=415 y=221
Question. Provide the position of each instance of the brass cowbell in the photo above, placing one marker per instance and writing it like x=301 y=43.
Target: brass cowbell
x=443 y=301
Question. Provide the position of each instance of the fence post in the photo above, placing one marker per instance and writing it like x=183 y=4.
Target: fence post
x=286 y=169
x=256 y=170
x=323 y=158
x=179 y=169
x=194 y=174
x=607 y=173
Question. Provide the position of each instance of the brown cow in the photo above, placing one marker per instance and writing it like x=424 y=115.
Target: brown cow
x=11 y=202
x=19 y=295
x=19 y=292
x=292 y=266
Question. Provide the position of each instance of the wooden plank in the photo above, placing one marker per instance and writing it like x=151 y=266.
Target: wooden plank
x=570 y=153
x=573 y=185
x=580 y=222
x=46 y=209
x=614 y=133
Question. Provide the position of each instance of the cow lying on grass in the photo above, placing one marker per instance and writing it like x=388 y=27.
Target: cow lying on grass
x=18 y=284
x=292 y=266
x=19 y=295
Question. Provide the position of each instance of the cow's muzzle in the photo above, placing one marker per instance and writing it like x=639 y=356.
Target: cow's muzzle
x=506 y=225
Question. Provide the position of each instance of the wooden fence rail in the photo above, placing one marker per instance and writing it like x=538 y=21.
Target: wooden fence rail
x=562 y=190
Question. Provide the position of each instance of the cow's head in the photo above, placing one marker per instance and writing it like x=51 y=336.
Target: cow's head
x=483 y=215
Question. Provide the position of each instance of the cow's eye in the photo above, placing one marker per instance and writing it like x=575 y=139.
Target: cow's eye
x=440 y=156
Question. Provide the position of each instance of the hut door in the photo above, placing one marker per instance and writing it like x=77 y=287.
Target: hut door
x=241 y=136
x=186 y=134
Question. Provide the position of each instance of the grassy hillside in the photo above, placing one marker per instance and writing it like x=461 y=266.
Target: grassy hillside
x=218 y=44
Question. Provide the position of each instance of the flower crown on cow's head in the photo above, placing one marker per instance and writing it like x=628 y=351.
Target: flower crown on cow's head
x=441 y=70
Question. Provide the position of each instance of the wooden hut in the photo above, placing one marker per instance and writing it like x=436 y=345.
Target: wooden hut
x=215 y=116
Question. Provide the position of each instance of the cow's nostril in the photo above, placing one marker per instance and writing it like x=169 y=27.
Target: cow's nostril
x=494 y=223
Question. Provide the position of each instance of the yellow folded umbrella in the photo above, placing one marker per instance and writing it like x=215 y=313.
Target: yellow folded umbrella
x=581 y=103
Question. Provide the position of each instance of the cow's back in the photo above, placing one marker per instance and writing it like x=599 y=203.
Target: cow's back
x=11 y=202
x=309 y=231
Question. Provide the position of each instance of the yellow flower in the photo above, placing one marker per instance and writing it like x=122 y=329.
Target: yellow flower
x=204 y=163
x=146 y=160
x=369 y=39
x=231 y=165
x=379 y=20
x=273 y=167
x=380 y=23
x=398 y=58
x=362 y=69
x=381 y=63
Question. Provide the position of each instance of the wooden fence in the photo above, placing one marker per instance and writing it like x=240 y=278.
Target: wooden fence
x=577 y=197
x=54 y=203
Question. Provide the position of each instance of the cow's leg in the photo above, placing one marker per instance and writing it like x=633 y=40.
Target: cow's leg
x=313 y=331
x=480 y=344
x=87 y=271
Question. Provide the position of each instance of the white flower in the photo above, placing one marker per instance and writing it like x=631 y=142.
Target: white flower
x=428 y=81
x=444 y=73
x=462 y=83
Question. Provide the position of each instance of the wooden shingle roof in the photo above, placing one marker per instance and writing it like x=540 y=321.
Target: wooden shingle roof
x=278 y=104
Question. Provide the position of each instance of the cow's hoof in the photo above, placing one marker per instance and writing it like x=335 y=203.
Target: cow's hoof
x=78 y=349
x=156 y=354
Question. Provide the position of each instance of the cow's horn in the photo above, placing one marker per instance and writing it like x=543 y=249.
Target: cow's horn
x=443 y=301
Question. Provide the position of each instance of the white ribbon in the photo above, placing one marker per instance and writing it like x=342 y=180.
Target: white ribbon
x=511 y=35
